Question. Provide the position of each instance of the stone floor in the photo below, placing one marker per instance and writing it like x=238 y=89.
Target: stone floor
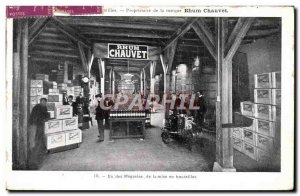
x=150 y=154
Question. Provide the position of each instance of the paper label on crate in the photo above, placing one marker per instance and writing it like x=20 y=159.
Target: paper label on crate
x=56 y=139
x=264 y=78
x=263 y=94
x=248 y=107
x=53 y=124
x=264 y=109
x=237 y=143
x=248 y=134
x=64 y=111
x=262 y=140
x=263 y=125
x=73 y=136
x=70 y=122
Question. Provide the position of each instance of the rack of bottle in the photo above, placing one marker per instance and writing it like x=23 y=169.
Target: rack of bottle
x=127 y=114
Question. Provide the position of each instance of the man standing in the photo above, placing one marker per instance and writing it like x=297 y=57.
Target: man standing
x=100 y=117
x=37 y=118
x=203 y=108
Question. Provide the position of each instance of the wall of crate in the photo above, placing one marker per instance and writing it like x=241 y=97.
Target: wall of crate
x=261 y=141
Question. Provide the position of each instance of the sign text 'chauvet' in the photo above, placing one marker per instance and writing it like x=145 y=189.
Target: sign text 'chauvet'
x=127 y=51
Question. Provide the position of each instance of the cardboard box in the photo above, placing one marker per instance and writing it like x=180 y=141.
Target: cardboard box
x=73 y=137
x=247 y=108
x=52 y=105
x=53 y=91
x=250 y=150
x=265 y=143
x=53 y=126
x=276 y=97
x=55 y=98
x=249 y=136
x=36 y=83
x=63 y=112
x=238 y=144
x=33 y=91
x=265 y=112
x=263 y=96
x=70 y=90
x=263 y=80
x=55 y=140
x=276 y=79
x=265 y=127
x=44 y=77
x=70 y=124
x=237 y=133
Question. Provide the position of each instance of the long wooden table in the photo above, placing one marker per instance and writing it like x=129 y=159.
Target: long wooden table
x=127 y=120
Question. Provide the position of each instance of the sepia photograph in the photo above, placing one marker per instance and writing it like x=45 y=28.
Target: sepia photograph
x=183 y=94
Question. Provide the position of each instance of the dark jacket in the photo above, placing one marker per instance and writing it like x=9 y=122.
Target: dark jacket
x=100 y=114
x=203 y=105
x=39 y=115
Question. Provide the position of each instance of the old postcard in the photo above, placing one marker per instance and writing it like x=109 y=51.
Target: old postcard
x=150 y=98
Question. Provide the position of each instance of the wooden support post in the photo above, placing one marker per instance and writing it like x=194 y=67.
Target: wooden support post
x=66 y=71
x=110 y=80
x=144 y=81
x=24 y=88
x=152 y=75
x=83 y=58
x=113 y=82
x=16 y=96
x=101 y=66
x=141 y=82
x=224 y=149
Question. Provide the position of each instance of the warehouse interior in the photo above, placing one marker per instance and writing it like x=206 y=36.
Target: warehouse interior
x=234 y=62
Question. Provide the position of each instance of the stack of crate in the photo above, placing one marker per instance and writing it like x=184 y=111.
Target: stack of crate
x=36 y=92
x=262 y=140
x=77 y=90
x=60 y=75
x=43 y=77
x=62 y=87
x=54 y=100
x=63 y=130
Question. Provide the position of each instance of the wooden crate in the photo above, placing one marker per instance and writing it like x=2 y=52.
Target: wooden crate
x=70 y=124
x=250 y=150
x=276 y=97
x=73 y=137
x=238 y=144
x=34 y=91
x=36 y=83
x=63 y=112
x=53 y=126
x=276 y=79
x=263 y=96
x=263 y=80
x=44 y=77
x=265 y=127
x=34 y=100
x=55 y=98
x=237 y=132
x=55 y=140
x=249 y=136
x=265 y=143
x=265 y=112
x=247 y=108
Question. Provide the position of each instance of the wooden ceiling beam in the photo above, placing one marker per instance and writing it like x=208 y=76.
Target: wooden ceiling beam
x=238 y=38
x=53 y=48
x=205 y=40
x=134 y=33
x=52 y=60
x=37 y=27
x=70 y=32
x=181 y=31
x=127 y=41
x=54 y=54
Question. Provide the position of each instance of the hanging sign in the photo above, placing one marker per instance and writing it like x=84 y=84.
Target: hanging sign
x=127 y=51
